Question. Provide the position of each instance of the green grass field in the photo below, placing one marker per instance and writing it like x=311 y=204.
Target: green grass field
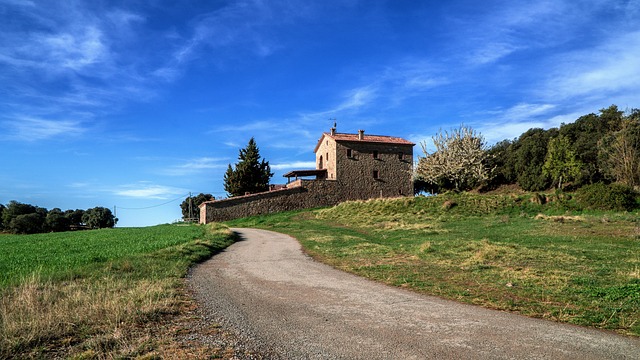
x=502 y=252
x=59 y=255
x=100 y=293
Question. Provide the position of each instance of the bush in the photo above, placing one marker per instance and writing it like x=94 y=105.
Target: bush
x=607 y=197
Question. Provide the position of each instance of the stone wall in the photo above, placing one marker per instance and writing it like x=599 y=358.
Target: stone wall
x=355 y=173
x=301 y=194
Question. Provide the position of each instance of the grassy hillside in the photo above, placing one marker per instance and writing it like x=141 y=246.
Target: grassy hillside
x=526 y=253
x=98 y=294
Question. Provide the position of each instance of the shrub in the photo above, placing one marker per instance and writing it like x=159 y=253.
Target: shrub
x=600 y=196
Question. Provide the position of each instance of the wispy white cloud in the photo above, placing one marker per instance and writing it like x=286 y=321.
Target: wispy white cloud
x=357 y=98
x=489 y=36
x=500 y=124
x=237 y=28
x=59 y=57
x=250 y=127
x=74 y=58
x=510 y=123
x=149 y=191
x=523 y=112
x=231 y=144
x=74 y=51
x=493 y=52
x=194 y=166
x=385 y=87
x=33 y=129
x=284 y=133
x=64 y=41
x=605 y=71
x=25 y=3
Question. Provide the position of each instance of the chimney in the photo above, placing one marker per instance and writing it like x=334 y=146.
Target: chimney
x=333 y=131
x=360 y=134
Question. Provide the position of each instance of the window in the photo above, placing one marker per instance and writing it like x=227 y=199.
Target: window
x=400 y=156
x=349 y=153
x=375 y=154
x=327 y=156
x=376 y=174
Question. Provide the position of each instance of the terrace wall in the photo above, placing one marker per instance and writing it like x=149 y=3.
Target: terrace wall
x=300 y=194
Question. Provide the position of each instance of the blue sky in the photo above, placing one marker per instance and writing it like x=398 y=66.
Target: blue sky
x=134 y=104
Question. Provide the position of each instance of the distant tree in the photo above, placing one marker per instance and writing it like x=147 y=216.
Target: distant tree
x=619 y=151
x=15 y=209
x=31 y=223
x=250 y=175
x=458 y=161
x=56 y=221
x=560 y=163
x=99 y=218
x=75 y=217
x=193 y=203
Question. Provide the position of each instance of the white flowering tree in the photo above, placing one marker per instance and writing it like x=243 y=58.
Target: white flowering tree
x=458 y=159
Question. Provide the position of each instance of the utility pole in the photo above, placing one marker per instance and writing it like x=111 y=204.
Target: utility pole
x=190 y=207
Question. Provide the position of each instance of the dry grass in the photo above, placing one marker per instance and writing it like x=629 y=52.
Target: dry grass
x=560 y=218
x=133 y=308
x=96 y=315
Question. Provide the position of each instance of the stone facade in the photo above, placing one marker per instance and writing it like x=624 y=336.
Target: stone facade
x=366 y=170
x=348 y=167
x=301 y=194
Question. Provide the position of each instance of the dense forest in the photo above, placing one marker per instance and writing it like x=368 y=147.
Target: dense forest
x=596 y=148
x=19 y=218
x=603 y=147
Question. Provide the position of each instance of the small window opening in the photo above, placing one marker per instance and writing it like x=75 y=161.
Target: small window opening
x=376 y=174
x=400 y=155
x=375 y=154
x=349 y=153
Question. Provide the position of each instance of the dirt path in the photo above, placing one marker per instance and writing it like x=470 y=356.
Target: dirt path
x=289 y=306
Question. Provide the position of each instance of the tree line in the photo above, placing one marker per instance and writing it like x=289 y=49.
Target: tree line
x=20 y=218
x=596 y=148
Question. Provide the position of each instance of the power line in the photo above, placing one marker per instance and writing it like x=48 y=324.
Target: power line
x=154 y=206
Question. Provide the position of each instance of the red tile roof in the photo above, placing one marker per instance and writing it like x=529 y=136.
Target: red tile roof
x=366 y=139
x=370 y=138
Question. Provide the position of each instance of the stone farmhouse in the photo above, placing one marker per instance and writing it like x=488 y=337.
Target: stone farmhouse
x=348 y=167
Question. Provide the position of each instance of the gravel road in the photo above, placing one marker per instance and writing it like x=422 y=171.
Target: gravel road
x=285 y=305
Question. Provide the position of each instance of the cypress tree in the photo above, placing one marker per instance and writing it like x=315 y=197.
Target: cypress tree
x=250 y=175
